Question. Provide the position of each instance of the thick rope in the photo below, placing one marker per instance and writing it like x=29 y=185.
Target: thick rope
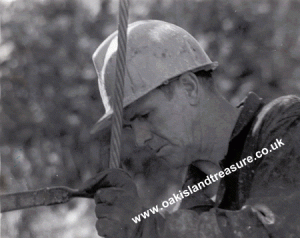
x=117 y=118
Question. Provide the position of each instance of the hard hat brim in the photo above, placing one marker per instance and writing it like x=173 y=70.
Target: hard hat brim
x=105 y=120
x=102 y=123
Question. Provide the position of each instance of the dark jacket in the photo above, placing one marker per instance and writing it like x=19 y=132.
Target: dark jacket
x=271 y=181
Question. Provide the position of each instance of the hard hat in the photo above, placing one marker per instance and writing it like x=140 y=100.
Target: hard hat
x=156 y=52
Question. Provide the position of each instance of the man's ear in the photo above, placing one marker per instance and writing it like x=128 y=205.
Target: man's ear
x=190 y=84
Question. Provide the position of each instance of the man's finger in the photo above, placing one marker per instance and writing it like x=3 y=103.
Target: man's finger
x=108 y=195
x=109 y=228
x=108 y=178
x=110 y=212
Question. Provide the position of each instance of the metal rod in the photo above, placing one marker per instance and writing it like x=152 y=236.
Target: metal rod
x=41 y=197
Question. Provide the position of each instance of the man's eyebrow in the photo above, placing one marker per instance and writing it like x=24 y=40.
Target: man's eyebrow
x=132 y=118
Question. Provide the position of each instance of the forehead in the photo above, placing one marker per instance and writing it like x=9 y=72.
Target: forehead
x=149 y=101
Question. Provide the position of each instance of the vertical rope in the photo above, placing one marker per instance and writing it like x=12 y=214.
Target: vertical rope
x=117 y=118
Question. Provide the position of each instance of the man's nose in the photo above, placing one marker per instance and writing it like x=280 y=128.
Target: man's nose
x=142 y=132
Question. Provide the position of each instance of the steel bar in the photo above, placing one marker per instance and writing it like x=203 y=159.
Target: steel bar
x=42 y=197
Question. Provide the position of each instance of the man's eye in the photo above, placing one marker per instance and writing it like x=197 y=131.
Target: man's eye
x=145 y=116
x=127 y=126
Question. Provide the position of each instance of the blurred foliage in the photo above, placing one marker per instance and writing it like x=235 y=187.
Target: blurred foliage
x=50 y=97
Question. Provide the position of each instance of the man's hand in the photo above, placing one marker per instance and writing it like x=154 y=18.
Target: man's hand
x=117 y=202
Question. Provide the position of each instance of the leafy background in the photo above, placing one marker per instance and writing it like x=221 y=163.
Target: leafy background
x=50 y=98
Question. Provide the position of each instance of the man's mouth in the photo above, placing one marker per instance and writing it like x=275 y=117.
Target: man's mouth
x=160 y=150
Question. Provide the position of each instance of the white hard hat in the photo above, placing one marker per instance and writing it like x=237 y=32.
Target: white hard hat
x=156 y=52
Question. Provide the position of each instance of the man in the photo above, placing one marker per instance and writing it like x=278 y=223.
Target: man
x=244 y=161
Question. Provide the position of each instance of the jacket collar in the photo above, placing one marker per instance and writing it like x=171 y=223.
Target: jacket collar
x=251 y=104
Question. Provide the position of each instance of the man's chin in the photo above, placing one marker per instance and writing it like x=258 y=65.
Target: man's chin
x=153 y=177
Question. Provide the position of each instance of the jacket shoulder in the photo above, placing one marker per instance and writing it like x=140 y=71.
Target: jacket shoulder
x=278 y=121
x=277 y=113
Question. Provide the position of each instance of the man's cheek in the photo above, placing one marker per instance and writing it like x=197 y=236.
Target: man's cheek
x=134 y=159
x=173 y=155
x=127 y=146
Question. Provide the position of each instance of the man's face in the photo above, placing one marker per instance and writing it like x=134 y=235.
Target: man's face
x=160 y=124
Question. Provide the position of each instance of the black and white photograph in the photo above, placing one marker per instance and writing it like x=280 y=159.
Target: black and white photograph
x=150 y=118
